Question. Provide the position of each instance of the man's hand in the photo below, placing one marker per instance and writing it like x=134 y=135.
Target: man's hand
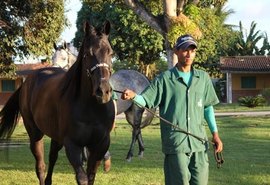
x=218 y=142
x=128 y=94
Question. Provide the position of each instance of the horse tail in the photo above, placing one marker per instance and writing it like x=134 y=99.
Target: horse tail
x=148 y=118
x=9 y=115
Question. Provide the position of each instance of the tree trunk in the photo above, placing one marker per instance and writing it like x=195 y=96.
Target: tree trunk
x=170 y=10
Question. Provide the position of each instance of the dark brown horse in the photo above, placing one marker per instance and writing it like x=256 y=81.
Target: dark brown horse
x=73 y=108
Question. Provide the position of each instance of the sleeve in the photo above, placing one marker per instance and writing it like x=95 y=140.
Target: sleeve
x=210 y=93
x=139 y=100
x=209 y=116
x=114 y=96
x=153 y=93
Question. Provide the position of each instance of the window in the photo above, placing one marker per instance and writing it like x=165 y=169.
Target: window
x=8 y=85
x=248 y=82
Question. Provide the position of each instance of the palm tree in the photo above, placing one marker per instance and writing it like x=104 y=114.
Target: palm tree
x=247 y=43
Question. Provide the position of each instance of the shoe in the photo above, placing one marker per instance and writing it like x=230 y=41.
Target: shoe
x=107 y=165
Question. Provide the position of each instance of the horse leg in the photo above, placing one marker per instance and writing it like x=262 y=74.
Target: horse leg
x=92 y=165
x=134 y=117
x=107 y=161
x=37 y=149
x=36 y=146
x=74 y=153
x=54 y=149
x=131 y=148
x=140 y=143
x=94 y=160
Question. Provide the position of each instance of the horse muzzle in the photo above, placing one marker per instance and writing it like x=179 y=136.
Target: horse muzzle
x=103 y=92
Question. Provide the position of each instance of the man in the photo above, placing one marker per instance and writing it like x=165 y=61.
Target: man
x=184 y=96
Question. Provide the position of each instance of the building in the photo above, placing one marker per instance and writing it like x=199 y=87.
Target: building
x=245 y=75
x=8 y=86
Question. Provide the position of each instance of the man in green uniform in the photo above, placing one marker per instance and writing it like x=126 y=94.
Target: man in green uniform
x=185 y=97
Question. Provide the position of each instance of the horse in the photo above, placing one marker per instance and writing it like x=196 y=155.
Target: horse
x=63 y=57
x=121 y=80
x=74 y=108
x=135 y=115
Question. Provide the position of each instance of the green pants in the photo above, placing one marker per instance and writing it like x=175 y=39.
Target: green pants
x=186 y=169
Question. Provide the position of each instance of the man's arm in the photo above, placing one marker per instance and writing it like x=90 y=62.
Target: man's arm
x=209 y=116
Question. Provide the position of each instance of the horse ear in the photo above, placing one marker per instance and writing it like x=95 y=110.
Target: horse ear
x=88 y=28
x=65 y=45
x=54 y=46
x=107 y=27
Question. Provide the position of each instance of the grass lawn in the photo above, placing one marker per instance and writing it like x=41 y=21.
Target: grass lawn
x=235 y=107
x=246 y=154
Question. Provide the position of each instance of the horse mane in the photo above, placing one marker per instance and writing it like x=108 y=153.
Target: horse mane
x=71 y=81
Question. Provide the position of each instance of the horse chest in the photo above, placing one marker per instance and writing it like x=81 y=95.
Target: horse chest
x=89 y=126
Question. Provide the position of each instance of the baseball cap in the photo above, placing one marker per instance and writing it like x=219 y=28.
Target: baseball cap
x=184 y=41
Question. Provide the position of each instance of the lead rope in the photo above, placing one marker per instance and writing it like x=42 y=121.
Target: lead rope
x=218 y=155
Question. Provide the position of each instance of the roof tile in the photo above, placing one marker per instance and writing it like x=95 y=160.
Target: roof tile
x=245 y=63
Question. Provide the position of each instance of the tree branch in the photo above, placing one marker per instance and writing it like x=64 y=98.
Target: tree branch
x=150 y=19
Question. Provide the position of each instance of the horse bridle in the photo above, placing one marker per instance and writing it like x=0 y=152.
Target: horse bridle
x=218 y=155
x=89 y=72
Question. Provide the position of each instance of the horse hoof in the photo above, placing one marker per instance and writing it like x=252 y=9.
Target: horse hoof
x=128 y=159
x=107 y=165
x=140 y=154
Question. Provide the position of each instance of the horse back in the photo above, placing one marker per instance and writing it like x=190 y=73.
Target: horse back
x=40 y=100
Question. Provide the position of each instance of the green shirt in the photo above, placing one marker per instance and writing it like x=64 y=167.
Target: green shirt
x=183 y=106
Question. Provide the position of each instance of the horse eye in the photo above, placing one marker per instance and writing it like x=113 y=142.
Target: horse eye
x=112 y=54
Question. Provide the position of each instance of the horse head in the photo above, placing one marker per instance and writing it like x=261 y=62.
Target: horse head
x=97 y=61
x=63 y=57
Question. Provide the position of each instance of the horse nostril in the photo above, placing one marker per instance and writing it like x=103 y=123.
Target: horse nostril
x=99 y=92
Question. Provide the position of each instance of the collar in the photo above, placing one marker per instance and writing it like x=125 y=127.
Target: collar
x=175 y=74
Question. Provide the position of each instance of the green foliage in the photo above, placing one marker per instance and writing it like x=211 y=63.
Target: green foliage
x=30 y=27
x=136 y=44
x=181 y=25
x=133 y=41
x=216 y=39
x=8 y=71
x=44 y=27
x=251 y=101
x=246 y=43
x=266 y=94
x=220 y=88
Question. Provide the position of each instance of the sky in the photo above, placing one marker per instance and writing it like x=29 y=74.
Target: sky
x=246 y=11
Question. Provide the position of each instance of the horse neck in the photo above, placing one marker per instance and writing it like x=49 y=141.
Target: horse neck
x=75 y=81
x=71 y=58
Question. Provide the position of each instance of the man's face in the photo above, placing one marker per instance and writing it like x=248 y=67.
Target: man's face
x=186 y=56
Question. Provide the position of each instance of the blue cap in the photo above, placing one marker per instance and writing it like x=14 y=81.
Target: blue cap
x=184 y=41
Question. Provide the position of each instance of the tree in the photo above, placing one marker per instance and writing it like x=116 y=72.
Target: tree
x=136 y=45
x=202 y=19
x=247 y=43
x=28 y=27
x=171 y=15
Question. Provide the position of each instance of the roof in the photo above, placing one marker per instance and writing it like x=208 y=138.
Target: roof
x=259 y=64
x=26 y=69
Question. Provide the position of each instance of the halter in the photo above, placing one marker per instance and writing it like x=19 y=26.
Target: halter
x=95 y=67
x=99 y=65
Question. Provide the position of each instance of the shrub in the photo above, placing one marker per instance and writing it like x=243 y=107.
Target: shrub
x=266 y=94
x=252 y=101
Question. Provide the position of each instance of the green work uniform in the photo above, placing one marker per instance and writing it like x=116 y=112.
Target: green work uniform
x=182 y=105
x=114 y=96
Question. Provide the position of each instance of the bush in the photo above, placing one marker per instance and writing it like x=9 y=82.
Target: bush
x=266 y=94
x=252 y=101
